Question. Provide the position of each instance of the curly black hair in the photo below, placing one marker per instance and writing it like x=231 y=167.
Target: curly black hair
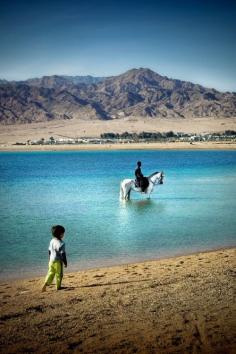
x=57 y=231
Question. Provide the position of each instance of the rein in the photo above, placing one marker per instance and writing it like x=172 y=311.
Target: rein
x=158 y=178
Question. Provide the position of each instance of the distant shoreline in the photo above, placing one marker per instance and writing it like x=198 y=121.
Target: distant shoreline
x=109 y=264
x=118 y=146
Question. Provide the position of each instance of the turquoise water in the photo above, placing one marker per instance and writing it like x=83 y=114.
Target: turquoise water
x=193 y=210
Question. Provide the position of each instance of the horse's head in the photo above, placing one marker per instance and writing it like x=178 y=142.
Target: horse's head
x=157 y=178
x=161 y=177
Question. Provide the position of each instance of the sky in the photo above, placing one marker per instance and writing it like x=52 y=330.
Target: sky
x=192 y=40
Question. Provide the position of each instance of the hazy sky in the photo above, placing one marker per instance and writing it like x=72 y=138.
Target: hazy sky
x=191 y=40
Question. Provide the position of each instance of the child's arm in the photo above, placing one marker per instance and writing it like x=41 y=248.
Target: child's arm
x=64 y=260
x=49 y=254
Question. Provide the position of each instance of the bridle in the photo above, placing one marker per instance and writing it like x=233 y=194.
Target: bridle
x=159 y=180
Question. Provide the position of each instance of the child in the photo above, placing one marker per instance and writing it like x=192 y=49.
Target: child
x=57 y=256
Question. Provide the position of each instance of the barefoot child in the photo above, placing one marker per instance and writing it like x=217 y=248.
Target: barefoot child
x=57 y=256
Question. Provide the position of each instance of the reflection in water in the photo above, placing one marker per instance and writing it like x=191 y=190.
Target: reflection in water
x=141 y=206
x=139 y=226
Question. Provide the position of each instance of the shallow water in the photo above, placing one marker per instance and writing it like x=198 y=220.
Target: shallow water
x=193 y=210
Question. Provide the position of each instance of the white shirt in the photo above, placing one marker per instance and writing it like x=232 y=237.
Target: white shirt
x=56 y=248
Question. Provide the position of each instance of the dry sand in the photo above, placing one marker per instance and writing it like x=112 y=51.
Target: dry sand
x=75 y=128
x=179 y=305
x=133 y=146
x=10 y=134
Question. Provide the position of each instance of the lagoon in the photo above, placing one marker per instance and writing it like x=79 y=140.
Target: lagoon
x=194 y=210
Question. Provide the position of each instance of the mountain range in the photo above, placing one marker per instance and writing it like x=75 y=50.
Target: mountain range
x=138 y=92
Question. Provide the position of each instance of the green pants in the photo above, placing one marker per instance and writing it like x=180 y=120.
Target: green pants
x=55 y=269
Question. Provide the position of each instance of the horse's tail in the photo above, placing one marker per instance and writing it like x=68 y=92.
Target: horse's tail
x=121 y=192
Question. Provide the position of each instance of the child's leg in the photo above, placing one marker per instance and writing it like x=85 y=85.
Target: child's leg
x=59 y=273
x=50 y=275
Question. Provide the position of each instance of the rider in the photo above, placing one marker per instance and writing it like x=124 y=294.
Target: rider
x=140 y=179
x=138 y=173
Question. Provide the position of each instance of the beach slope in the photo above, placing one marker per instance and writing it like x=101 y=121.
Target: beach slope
x=178 y=305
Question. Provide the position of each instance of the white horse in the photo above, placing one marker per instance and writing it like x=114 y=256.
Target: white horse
x=128 y=185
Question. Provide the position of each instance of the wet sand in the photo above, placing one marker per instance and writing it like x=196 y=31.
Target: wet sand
x=177 y=305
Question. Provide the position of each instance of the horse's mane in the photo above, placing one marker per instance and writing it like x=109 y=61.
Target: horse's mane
x=153 y=174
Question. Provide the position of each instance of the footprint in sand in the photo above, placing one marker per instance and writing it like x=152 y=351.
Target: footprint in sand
x=11 y=316
x=176 y=340
x=21 y=289
x=99 y=276
x=74 y=345
x=76 y=300
x=154 y=285
x=93 y=335
x=38 y=308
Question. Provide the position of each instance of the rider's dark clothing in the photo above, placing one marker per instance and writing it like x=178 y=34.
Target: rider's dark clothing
x=139 y=176
x=141 y=181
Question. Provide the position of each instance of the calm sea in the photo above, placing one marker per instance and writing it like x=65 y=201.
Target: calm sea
x=193 y=210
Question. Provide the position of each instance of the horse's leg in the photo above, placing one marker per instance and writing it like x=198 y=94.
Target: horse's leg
x=125 y=192
x=128 y=195
x=149 y=191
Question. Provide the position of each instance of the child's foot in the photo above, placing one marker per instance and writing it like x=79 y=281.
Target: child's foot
x=43 y=288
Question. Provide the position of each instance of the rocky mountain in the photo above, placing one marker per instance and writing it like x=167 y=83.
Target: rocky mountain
x=2 y=82
x=138 y=92
x=63 y=81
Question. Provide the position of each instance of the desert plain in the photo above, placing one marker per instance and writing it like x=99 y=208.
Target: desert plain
x=79 y=128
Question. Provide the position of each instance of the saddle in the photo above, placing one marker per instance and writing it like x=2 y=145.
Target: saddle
x=142 y=183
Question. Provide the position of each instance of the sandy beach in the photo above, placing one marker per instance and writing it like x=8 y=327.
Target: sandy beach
x=178 y=305
x=132 y=146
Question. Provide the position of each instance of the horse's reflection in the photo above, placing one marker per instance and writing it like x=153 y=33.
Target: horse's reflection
x=143 y=206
